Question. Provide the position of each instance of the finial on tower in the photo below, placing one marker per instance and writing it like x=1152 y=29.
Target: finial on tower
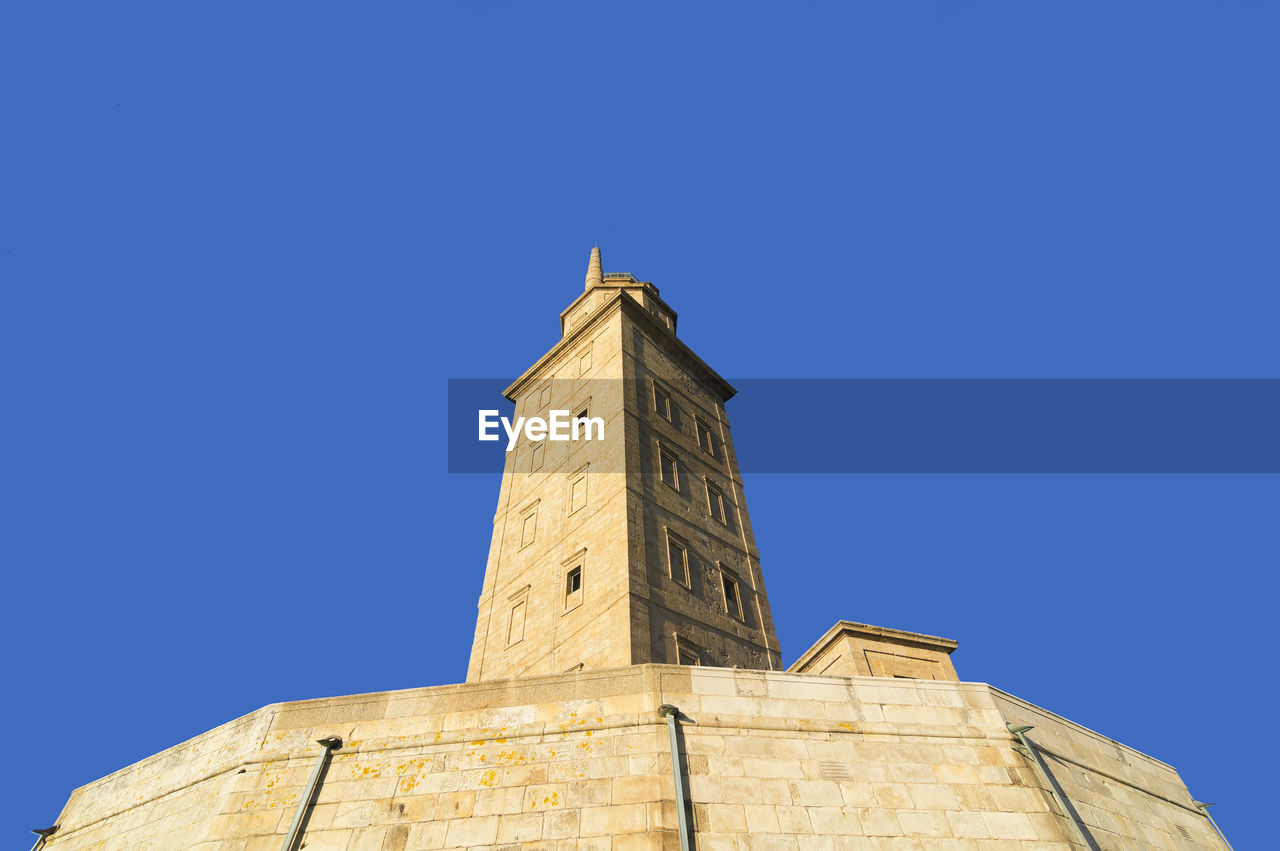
x=595 y=275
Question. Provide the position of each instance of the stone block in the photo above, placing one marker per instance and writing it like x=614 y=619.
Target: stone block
x=879 y=822
x=479 y=830
x=524 y=827
x=924 y=823
x=1009 y=825
x=726 y=818
x=614 y=820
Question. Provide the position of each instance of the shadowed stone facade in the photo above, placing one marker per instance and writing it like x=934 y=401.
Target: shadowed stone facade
x=622 y=577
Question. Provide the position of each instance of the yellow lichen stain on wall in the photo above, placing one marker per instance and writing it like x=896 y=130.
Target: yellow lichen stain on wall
x=552 y=800
x=567 y=770
x=413 y=763
x=489 y=778
x=408 y=781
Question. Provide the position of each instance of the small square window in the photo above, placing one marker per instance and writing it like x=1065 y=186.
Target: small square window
x=669 y=469
x=662 y=402
x=706 y=438
x=678 y=560
x=573 y=581
x=715 y=502
x=732 y=600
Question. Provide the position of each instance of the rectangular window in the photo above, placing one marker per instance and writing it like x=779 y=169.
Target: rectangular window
x=706 y=438
x=732 y=601
x=535 y=457
x=668 y=468
x=678 y=560
x=578 y=495
x=584 y=361
x=662 y=402
x=588 y=428
x=529 y=528
x=715 y=502
x=544 y=397
x=574 y=568
x=687 y=654
x=515 y=631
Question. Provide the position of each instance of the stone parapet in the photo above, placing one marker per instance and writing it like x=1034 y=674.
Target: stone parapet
x=773 y=760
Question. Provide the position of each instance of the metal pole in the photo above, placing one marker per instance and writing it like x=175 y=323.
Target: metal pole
x=1020 y=732
x=329 y=744
x=1204 y=808
x=672 y=713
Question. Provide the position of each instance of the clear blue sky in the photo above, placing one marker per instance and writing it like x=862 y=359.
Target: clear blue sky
x=243 y=248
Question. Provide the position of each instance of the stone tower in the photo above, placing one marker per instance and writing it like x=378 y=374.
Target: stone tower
x=631 y=556
x=636 y=547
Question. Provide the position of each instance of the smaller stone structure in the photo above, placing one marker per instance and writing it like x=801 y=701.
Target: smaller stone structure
x=860 y=650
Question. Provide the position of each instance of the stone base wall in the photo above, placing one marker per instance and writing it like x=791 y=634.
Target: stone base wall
x=773 y=760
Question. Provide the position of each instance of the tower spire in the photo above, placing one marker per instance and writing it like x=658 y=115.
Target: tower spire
x=595 y=275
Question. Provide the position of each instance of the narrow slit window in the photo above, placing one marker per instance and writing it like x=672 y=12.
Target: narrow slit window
x=715 y=502
x=586 y=427
x=678 y=560
x=515 y=632
x=573 y=581
x=706 y=438
x=662 y=403
x=669 y=469
x=529 y=528
x=732 y=602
